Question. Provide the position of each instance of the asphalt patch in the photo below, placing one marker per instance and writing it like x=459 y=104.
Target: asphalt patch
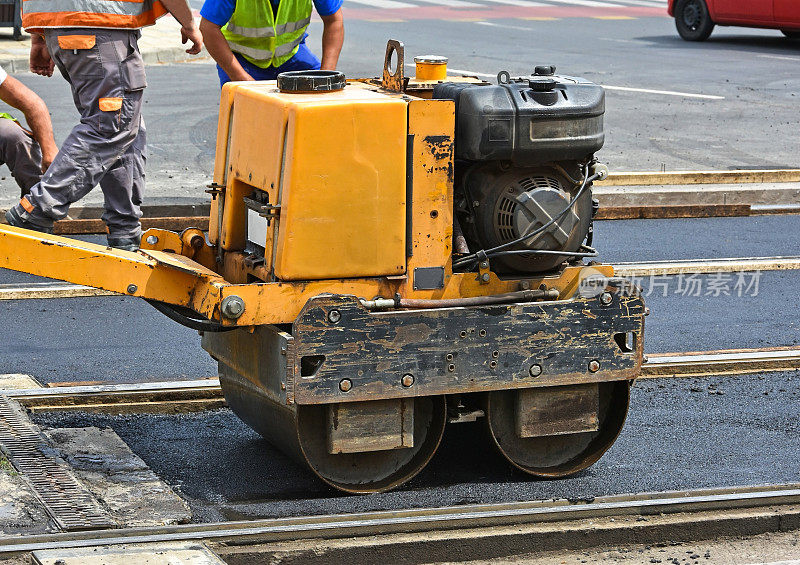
x=680 y=434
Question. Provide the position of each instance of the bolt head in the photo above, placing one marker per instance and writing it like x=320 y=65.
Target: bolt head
x=484 y=264
x=334 y=316
x=132 y=288
x=535 y=370
x=408 y=380
x=151 y=239
x=485 y=277
x=606 y=298
x=524 y=285
x=232 y=307
x=345 y=385
x=451 y=367
x=594 y=366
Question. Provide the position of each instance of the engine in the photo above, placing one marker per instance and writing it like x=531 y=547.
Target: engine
x=524 y=153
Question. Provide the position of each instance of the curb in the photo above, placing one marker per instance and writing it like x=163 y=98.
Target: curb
x=723 y=195
x=755 y=176
x=151 y=57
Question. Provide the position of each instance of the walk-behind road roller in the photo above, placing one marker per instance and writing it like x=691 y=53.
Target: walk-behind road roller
x=389 y=255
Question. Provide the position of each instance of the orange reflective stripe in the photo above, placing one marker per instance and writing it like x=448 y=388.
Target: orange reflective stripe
x=38 y=21
x=25 y=204
x=76 y=41
x=110 y=104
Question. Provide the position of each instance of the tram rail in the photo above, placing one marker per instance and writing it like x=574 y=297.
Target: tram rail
x=690 y=514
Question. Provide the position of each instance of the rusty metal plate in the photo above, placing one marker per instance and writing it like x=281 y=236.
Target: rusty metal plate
x=560 y=410
x=394 y=67
x=359 y=427
x=460 y=350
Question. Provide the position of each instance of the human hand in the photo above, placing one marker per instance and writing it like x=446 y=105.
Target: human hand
x=40 y=61
x=192 y=34
x=48 y=155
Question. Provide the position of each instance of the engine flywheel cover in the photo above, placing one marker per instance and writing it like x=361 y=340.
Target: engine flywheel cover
x=537 y=207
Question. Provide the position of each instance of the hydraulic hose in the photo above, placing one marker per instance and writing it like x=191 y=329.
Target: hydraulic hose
x=419 y=303
x=188 y=318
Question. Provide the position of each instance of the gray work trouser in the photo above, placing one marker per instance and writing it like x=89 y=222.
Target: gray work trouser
x=108 y=146
x=21 y=153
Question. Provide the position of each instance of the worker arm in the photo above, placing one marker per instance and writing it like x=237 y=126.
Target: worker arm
x=180 y=11
x=40 y=61
x=332 y=40
x=218 y=47
x=16 y=94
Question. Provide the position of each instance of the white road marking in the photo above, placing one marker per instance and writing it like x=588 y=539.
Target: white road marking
x=453 y=3
x=504 y=26
x=395 y=4
x=588 y=3
x=386 y=4
x=471 y=73
x=644 y=3
x=781 y=57
x=521 y=3
x=619 y=88
x=620 y=40
x=664 y=92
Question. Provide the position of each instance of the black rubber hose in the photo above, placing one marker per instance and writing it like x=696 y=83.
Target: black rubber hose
x=546 y=252
x=188 y=318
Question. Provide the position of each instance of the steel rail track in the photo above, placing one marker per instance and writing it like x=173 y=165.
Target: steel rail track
x=23 y=291
x=205 y=394
x=704 y=266
x=424 y=520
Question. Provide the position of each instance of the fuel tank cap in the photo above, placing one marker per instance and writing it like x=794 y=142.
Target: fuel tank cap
x=542 y=84
x=311 y=81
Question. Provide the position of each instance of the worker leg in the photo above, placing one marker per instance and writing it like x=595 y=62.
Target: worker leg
x=20 y=152
x=123 y=190
x=107 y=80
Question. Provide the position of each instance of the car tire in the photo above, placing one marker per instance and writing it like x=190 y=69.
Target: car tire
x=791 y=34
x=693 y=20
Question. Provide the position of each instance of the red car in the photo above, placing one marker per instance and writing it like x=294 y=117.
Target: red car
x=695 y=19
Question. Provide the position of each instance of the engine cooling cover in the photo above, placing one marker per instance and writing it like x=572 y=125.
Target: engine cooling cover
x=501 y=205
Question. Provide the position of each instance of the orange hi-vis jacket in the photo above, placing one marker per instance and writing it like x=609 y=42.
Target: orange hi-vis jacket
x=114 y=14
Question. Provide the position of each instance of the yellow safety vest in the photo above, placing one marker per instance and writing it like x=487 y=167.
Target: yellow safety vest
x=264 y=38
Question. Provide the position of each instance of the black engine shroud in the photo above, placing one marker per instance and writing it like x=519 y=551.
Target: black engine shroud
x=521 y=149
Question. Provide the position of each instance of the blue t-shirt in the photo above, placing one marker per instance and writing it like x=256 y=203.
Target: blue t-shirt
x=219 y=12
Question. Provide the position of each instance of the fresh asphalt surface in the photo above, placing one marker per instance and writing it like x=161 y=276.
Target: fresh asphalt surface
x=678 y=435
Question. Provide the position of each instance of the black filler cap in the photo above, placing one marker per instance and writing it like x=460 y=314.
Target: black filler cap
x=544 y=70
x=311 y=81
x=542 y=84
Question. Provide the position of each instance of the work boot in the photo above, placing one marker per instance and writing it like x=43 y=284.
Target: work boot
x=125 y=243
x=15 y=219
